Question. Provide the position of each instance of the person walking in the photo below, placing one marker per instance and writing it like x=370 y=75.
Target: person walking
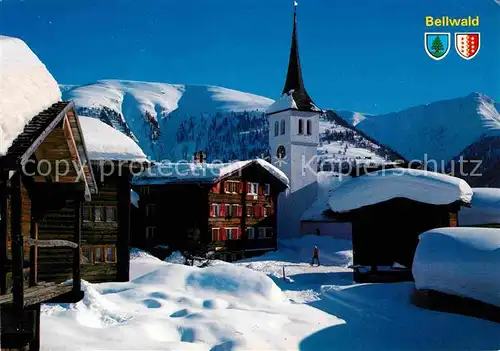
x=315 y=256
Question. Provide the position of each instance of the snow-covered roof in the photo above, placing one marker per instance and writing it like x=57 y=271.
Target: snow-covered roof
x=172 y=172
x=134 y=198
x=418 y=185
x=485 y=208
x=106 y=143
x=459 y=261
x=283 y=103
x=327 y=183
x=26 y=89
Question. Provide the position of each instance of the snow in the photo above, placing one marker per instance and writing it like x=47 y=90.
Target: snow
x=168 y=172
x=284 y=102
x=104 y=142
x=159 y=99
x=485 y=208
x=327 y=183
x=26 y=89
x=418 y=185
x=460 y=261
x=249 y=306
x=134 y=198
x=426 y=129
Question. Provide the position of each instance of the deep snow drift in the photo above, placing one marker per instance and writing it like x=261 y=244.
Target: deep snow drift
x=26 y=89
x=484 y=210
x=227 y=306
x=460 y=261
x=418 y=185
x=104 y=142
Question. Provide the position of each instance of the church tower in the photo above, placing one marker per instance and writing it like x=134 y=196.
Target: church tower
x=293 y=140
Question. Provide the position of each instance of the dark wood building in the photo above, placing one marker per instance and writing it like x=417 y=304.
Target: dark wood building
x=229 y=211
x=44 y=179
x=106 y=218
x=385 y=232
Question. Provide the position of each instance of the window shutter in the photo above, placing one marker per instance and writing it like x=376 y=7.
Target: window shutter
x=260 y=189
x=257 y=211
x=222 y=210
x=238 y=233
x=240 y=211
x=212 y=210
x=248 y=188
x=222 y=234
x=240 y=188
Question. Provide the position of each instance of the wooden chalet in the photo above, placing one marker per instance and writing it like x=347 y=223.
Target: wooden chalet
x=106 y=218
x=44 y=179
x=226 y=211
x=386 y=227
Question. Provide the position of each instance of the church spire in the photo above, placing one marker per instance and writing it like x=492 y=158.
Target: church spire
x=294 y=81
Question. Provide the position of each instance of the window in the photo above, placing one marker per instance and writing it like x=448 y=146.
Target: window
x=276 y=128
x=233 y=233
x=283 y=126
x=232 y=187
x=229 y=210
x=309 y=127
x=98 y=214
x=150 y=233
x=249 y=210
x=251 y=233
x=110 y=254
x=92 y=254
x=150 y=210
x=253 y=188
x=267 y=190
x=215 y=211
x=99 y=255
x=87 y=213
x=110 y=213
x=281 y=152
x=301 y=126
x=85 y=256
x=267 y=211
x=265 y=233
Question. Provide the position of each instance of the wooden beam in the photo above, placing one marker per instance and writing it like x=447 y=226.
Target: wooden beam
x=3 y=232
x=74 y=152
x=33 y=249
x=77 y=239
x=17 y=242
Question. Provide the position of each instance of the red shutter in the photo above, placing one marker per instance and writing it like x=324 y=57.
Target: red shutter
x=240 y=188
x=240 y=211
x=260 y=189
x=248 y=188
x=238 y=235
x=222 y=234
x=257 y=212
x=222 y=210
x=212 y=210
x=271 y=210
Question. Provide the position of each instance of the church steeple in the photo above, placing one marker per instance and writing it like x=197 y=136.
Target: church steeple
x=294 y=80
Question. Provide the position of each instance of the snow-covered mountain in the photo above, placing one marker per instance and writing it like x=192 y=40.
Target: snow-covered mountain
x=441 y=130
x=171 y=122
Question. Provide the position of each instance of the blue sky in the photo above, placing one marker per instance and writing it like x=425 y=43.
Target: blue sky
x=360 y=55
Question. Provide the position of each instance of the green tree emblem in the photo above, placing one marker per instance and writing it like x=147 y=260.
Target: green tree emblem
x=437 y=46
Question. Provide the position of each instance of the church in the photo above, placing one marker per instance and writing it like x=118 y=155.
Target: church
x=293 y=140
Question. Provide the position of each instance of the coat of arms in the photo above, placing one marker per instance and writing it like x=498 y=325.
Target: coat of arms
x=437 y=45
x=467 y=44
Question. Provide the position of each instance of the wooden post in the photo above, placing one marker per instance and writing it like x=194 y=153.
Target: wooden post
x=17 y=243
x=77 y=240
x=3 y=232
x=123 y=243
x=35 y=343
x=33 y=248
